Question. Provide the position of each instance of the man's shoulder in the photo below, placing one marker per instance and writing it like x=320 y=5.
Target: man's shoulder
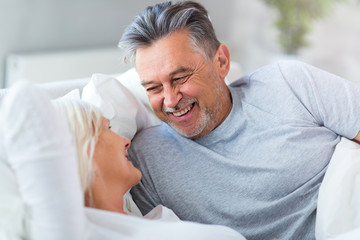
x=154 y=134
x=281 y=65
x=282 y=72
x=149 y=131
x=155 y=143
x=273 y=71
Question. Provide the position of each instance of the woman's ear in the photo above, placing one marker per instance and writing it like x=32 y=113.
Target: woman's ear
x=222 y=60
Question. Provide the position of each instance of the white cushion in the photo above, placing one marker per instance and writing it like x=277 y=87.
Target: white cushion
x=128 y=110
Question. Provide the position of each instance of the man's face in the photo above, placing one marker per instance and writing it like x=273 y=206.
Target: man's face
x=186 y=91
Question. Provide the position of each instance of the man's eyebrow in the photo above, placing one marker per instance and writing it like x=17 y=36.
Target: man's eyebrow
x=144 y=83
x=171 y=74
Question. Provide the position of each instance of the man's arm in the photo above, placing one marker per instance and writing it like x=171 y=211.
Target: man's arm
x=357 y=138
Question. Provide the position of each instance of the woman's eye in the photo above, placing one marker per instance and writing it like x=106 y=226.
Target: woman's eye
x=109 y=127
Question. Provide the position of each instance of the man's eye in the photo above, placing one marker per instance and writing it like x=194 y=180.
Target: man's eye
x=180 y=80
x=153 y=89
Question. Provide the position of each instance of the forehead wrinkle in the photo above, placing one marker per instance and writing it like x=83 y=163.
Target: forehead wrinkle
x=181 y=69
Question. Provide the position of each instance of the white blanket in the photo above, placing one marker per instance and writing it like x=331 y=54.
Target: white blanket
x=109 y=225
x=338 y=209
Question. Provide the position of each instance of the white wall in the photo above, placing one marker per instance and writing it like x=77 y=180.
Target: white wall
x=334 y=43
x=52 y=25
x=246 y=26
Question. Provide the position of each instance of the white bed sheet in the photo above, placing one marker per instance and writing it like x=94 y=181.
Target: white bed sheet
x=114 y=226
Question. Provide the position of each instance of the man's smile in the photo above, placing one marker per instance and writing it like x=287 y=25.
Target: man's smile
x=184 y=111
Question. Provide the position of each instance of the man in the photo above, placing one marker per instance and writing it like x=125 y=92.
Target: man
x=250 y=156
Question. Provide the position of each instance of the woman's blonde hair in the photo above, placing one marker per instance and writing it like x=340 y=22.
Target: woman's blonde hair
x=85 y=124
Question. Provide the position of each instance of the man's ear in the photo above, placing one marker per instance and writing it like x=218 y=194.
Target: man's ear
x=222 y=60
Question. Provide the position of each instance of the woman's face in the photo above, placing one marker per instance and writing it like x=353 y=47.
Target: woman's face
x=112 y=168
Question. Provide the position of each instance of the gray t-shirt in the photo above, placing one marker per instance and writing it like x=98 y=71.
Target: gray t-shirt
x=259 y=172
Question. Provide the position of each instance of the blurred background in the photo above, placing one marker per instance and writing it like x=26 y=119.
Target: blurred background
x=51 y=40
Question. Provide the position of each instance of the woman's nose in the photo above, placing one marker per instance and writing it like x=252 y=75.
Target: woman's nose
x=127 y=143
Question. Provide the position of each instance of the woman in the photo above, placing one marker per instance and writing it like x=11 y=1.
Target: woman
x=106 y=174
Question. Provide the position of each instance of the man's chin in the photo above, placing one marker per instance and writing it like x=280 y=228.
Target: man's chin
x=188 y=133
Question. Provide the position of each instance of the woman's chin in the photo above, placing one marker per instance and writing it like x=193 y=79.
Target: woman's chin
x=138 y=176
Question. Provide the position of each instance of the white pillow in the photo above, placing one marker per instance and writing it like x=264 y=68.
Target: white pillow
x=41 y=154
x=128 y=110
x=73 y=94
x=131 y=80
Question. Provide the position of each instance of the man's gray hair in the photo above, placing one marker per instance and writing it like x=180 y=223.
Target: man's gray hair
x=165 y=18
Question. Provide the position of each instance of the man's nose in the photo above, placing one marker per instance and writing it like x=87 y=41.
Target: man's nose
x=172 y=96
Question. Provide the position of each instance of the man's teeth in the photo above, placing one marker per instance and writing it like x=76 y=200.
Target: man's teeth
x=178 y=114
